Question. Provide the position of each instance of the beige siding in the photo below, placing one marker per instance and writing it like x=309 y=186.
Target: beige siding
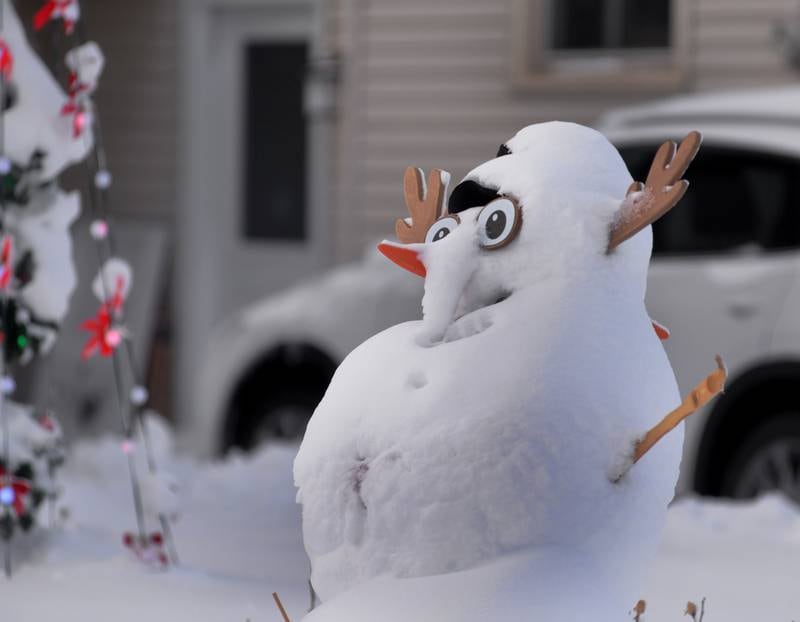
x=734 y=43
x=138 y=103
x=426 y=82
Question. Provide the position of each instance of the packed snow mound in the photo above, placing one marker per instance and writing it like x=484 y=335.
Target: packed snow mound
x=426 y=460
x=239 y=538
x=536 y=585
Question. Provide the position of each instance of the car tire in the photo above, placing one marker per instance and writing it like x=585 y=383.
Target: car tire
x=768 y=461
x=281 y=417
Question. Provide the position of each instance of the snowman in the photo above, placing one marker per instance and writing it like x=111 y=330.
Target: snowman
x=479 y=463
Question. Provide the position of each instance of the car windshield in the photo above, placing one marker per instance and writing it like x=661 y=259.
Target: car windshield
x=738 y=200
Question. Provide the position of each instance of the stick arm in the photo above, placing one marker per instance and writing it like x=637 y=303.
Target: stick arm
x=710 y=387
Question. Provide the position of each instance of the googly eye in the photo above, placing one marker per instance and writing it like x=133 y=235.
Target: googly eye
x=499 y=223
x=441 y=229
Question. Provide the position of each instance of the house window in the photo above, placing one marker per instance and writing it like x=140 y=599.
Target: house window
x=609 y=24
x=599 y=44
x=275 y=142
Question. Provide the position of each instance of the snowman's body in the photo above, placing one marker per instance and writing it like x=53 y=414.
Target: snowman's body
x=500 y=435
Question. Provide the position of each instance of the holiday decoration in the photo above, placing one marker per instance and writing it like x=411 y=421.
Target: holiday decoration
x=28 y=471
x=148 y=549
x=111 y=287
x=37 y=275
x=6 y=269
x=6 y=61
x=44 y=129
x=108 y=335
x=508 y=455
x=66 y=10
x=85 y=65
x=36 y=128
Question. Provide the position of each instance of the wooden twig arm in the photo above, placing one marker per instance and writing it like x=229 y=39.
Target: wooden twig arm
x=279 y=604
x=703 y=393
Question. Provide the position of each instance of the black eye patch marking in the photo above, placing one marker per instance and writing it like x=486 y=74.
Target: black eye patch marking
x=469 y=194
x=503 y=150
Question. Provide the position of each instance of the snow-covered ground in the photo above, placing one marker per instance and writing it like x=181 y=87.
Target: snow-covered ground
x=239 y=540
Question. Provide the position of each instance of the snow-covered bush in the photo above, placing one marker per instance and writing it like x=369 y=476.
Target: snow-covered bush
x=35 y=453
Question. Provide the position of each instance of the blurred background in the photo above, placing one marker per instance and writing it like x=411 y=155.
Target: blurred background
x=258 y=148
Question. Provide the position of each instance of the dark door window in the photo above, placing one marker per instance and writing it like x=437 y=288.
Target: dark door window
x=737 y=199
x=610 y=24
x=274 y=141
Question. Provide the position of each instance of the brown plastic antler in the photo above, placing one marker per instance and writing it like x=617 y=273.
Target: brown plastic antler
x=646 y=203
x=424 y=204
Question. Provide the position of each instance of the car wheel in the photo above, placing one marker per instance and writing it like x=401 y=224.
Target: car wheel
x=282 y=417
x=768 y=461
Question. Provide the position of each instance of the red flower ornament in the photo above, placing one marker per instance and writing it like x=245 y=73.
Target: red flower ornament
x=67 y=10
x=104 y=336
x=14 y=491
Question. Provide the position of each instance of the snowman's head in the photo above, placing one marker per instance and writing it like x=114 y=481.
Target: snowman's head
x=557 y=203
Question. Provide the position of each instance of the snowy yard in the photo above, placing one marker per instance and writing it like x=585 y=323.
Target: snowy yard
x=239 y=540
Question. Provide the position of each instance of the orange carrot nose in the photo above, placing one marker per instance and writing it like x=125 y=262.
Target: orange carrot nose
x=406 y=258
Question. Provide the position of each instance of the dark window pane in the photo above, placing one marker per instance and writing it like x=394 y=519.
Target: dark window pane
x=646 y=24
x=577 y=24
x=736 y=199
x=275 y=141
x=610 y=24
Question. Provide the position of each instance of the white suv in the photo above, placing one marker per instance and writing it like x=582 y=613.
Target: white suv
x=724 y=279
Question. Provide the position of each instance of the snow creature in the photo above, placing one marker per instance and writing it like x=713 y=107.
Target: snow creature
x=479 y=462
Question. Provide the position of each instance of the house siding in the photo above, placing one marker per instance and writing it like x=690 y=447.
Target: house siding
x=137 y=100
x=427 y=82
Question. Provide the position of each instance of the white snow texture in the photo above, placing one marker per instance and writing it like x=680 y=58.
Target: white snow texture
x=42 y=226
x=35 y=121
x=477 y=444
x=239 y=540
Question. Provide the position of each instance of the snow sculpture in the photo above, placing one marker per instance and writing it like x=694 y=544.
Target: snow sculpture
x=476 y=464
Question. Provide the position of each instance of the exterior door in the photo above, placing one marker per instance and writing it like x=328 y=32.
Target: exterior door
x=252 y=217
x=268 y=229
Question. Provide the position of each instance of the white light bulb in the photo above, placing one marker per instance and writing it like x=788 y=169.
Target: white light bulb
x=139 y=395
x=98 y=229
x=102 y=179
x=6 y=495
x=7 y=385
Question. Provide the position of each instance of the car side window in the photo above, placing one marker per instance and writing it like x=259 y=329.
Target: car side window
x=737 y=200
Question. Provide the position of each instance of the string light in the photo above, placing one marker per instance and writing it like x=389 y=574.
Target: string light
x=113 y=337
x=102 y=179
x=139 y=395
x=7 y=385
x=7 y=495
x=104 y=336
x=78 y=123
x=98 y=229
